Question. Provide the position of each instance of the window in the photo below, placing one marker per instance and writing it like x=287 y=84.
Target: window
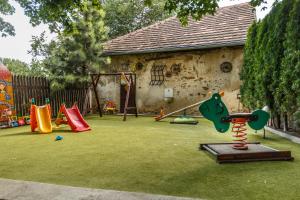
x=157 y=74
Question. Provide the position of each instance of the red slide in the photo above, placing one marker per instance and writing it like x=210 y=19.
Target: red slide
x=74 y=118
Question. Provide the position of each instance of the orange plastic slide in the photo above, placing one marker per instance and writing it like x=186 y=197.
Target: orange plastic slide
x=40 y=119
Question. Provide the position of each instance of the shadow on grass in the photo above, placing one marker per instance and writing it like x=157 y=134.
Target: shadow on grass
x=259 y=137
x=62 y=131
x=35 y=133
x=18 y=134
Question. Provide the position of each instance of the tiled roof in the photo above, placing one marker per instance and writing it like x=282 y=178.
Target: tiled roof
x=228 y=27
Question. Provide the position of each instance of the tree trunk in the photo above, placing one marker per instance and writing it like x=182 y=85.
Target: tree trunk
x=278 y=120
x=271 y=124
x=95 y=83
x=286 y=123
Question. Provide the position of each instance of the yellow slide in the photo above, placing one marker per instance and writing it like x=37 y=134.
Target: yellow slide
x=43 y=119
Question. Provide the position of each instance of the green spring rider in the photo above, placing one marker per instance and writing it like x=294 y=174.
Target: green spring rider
x=216 y=111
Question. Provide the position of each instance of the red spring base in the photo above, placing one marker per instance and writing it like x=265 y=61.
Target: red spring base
x=239 y=133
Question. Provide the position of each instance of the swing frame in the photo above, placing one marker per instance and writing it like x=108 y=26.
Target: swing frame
x=130 y=78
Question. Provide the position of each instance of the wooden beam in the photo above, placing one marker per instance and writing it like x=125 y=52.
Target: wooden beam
x=95 y=80
x=136 y=111
x=114 y=74
x=179 y=110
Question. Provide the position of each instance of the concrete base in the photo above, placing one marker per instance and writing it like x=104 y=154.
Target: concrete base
x=24 y=190
x=224 y=153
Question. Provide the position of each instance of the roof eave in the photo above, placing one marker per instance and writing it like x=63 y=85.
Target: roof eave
x=174 y=49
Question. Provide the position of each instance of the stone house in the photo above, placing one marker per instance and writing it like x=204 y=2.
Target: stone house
x=177 y=66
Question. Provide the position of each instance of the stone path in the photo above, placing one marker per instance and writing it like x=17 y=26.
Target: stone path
x=294 y=139
x=25 y=190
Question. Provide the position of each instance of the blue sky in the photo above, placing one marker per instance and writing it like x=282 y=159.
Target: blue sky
x=17 y=47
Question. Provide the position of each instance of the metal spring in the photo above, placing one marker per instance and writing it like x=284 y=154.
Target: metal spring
x=239 y=133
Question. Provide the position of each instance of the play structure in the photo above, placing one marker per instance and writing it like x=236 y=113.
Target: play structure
x=41 y=118
x=162 y=114
x=129 y=79
x=8 y=116
x=110 y=106
x=73 y=118
x=240 y=150
x=7 y=112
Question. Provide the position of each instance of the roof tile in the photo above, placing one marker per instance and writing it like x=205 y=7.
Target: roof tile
x=228 y=27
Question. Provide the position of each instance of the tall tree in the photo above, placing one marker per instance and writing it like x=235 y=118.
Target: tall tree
x=124 y=16
x=247 y=74
x=273 y=65
x=78 y=51
x=289 y=78
x=276 y=50
x=58 y=14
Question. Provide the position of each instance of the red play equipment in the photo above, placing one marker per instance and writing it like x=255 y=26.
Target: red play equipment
x=239 y=133
x=73 y=118
x=110 y=106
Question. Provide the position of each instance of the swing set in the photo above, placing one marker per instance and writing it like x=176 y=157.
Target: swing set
x=130 y=85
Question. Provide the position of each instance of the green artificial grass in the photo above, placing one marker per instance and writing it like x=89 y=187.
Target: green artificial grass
x=146 y=156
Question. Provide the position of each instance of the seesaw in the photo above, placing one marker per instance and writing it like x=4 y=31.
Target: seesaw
x=162 y=114
x=240 y=150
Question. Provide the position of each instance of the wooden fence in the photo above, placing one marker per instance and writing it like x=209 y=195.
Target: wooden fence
x=38 y=88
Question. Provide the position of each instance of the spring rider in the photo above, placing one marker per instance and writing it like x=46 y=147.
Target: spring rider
x=215 y=110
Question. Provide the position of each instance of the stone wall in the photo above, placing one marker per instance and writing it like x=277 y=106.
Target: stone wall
x=191 y=75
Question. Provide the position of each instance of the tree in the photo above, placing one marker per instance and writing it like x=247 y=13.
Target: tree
x=124 y=16
x=197 y=8
x=77 y=52
x=271 y=68
x=58 y=14
x=5 y=27
x=276 y=51
x=247 y=75
x=39 y=50
x=289 y=78
x=16 y=66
